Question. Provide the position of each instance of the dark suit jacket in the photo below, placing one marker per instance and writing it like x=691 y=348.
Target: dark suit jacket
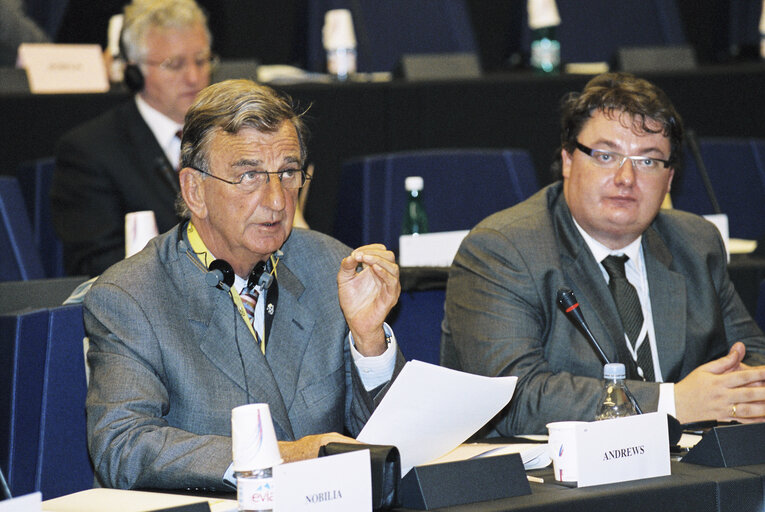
x=105 y=168
x=166 y=368
x=502 y=317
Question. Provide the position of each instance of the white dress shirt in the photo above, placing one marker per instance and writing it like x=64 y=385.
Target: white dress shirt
x=636 y=274
x=164 y=129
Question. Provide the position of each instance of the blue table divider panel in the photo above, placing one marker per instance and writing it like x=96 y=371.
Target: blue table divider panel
x=23 y=341
x=19 y=259
x=736 y=169
x=386 y=30
x=416 y=322
x=63 y=463
x=591 y=31
x=35 y=179
x=462 y=187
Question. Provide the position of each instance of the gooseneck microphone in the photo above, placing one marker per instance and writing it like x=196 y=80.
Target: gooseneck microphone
x=567 y=301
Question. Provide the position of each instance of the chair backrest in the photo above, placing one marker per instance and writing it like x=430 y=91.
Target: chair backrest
x=416 y=320
x=462 y=186
x=593 y=31
x=63 y=464
x=18 y=254
x=23 y=341
x=736 y=169
x=43 y=444
x=35 y=179
x=387 y=30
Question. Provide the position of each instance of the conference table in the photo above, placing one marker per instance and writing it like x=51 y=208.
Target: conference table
x=690 y=488
x=355 y=118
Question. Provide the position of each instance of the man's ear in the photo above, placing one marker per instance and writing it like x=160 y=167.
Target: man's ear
x=193 y=192
x=565 y=163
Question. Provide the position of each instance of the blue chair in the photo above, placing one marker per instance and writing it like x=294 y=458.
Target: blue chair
x=43 y=444
x=63 y=464
x=35 y=179
x=416 y=321
x=23 y=341
x=387 y=30
x=592 y=31
x=462 y=186
x=18 y=254
x=736 y=169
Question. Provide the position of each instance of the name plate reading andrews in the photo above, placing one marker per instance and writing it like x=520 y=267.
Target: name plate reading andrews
x=623 y=449
x=337 y=483
x=64 y=68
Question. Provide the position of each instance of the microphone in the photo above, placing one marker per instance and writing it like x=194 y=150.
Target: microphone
x=568 y=302
x=220 y=274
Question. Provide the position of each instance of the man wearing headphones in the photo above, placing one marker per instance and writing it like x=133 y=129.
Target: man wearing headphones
x=126 y=159
x=190 y=327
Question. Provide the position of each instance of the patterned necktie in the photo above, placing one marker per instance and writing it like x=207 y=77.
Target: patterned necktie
x=630 y=311
x=249 y=298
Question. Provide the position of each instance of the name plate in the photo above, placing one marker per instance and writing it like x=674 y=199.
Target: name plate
x=64 y=68
x=429 y=249
x=622 y=449
x=335 y=483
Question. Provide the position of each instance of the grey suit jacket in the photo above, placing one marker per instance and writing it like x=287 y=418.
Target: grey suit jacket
x=166 y=367
x=105 y=168
x=502 y=317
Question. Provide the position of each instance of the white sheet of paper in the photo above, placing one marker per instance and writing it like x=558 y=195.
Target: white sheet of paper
x=533 y=455
x=119 y=500
x=429 y=249
x=429 y=410
x=27 y=503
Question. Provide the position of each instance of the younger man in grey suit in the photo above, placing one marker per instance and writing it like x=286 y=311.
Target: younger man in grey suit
x=694 y=351
x=173 y=350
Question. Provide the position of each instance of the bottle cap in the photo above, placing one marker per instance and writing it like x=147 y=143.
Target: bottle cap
x=253 y=440
x=614 y=371
x=414 y=183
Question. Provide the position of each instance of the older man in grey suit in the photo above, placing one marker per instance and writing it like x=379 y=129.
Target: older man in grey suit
x=689 y=346
x=173 y=349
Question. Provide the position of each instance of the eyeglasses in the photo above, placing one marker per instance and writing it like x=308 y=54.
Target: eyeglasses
x=613 y=160
x=178 y=64
x=251 y=181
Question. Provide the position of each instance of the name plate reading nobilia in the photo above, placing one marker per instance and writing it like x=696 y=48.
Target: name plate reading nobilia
x=334 y=483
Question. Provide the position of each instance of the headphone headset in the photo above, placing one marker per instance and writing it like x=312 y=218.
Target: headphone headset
x=133 y=77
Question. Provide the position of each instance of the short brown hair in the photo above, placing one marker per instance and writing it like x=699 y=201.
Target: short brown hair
x=622 y=92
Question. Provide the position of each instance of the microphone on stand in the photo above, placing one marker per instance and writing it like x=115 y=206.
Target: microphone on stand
x=567 y=301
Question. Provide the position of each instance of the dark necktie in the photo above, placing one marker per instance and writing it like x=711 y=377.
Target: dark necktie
x=628 y=305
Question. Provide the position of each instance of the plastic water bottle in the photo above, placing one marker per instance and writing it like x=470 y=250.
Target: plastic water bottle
x=255 y=490
x=545 y=48
x=415 y=219
x=613 y=400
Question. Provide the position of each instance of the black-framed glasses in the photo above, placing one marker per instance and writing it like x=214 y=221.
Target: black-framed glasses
x=614 y=160
x=251 y=181
x=178 y=63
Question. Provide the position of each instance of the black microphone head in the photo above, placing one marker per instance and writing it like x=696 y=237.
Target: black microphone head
x=566 y=298
x=220 y=272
